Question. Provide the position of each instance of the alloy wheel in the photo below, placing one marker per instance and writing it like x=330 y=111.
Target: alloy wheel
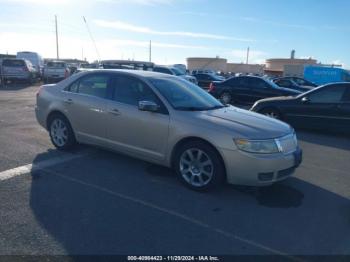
x=59 y=132
x=196 y=167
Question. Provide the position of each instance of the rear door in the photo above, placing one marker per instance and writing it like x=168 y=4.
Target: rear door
x=130 y=130
x=239 y=89
x=85 y=106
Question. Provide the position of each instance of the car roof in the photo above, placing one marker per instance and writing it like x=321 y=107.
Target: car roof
x=141 y=73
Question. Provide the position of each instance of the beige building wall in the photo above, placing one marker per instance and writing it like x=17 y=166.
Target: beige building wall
x=204 y=63
x=245 y=68
x=277 y=64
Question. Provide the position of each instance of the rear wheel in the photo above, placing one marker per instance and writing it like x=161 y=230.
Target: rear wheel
x=225 y=98
x=61 y=132
x=271 y=112
x=199 y=166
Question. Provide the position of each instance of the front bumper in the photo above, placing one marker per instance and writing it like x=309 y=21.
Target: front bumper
x=258 y=169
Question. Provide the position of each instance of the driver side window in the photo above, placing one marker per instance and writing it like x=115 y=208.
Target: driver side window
x=131 y=91
x=331 y=94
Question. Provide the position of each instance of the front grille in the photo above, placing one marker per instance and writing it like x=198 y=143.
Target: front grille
x=288 y=143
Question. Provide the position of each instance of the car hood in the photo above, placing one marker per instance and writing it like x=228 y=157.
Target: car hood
x=277 y=98
x=246 y=124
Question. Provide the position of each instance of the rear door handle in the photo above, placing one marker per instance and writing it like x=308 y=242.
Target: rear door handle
x=114 y=111
x=68 y=101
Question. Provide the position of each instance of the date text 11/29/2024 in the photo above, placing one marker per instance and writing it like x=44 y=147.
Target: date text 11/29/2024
x=173 y=258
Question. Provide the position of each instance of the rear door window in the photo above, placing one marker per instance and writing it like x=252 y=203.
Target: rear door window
x=257 y=83
x=284 y=83
x=93 y=85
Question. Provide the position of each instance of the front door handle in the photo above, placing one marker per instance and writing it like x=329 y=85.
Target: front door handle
x=68 y=101
x=114 y=111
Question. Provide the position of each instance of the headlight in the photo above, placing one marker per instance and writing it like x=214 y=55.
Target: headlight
x=258 y=146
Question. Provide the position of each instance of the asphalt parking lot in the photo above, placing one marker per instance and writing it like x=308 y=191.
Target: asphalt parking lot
x=92 y=201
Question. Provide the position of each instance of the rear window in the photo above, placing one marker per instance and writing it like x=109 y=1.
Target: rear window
x=56 y=65
x=13 y=63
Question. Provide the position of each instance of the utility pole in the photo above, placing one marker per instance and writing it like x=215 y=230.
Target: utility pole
x=247 y=61
x=150 y=50
x=57 y=54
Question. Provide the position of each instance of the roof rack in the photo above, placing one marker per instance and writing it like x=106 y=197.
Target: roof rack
x=127 y=64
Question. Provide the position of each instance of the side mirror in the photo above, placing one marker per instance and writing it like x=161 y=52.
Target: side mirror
x=149 y=106
x=305 y=100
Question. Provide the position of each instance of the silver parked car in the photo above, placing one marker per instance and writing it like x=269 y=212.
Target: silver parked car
x=18 y=69
x=55 y=71
x=168 y=121
x=176 y=72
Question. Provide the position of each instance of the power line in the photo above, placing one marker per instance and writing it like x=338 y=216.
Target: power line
x=92 y=39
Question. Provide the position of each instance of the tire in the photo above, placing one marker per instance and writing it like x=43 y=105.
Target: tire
x=226 y=98
x=61 y=132
x=199 y=166
x=271 y=112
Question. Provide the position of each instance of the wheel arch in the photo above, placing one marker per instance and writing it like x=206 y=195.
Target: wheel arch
x=185 y=140
x=53 y=113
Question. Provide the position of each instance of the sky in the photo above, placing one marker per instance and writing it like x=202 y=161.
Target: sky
x=178 y=29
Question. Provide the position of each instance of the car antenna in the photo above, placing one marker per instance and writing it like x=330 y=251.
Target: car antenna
x=92 y=39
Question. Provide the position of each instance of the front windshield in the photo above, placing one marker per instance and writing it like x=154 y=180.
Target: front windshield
x=183 y=95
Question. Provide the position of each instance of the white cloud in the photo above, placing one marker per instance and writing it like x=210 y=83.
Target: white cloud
x=139 y=29
x=255 y=56
x=339 y=62
x=71 y=47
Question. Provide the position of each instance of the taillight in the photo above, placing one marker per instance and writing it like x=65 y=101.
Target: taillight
x=211 y=87
x=66 y=73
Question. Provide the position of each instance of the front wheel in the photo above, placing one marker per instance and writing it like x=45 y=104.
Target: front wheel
x=225 y=98
x=61 y=132
x=199 y=166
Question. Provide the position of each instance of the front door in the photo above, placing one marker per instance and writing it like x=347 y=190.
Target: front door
x=130 y=130
x=319 y=109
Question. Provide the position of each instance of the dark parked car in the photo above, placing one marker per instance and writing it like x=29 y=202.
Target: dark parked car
x=290 y=83
x=300 y=81
x=204 y=80
x=247 y=90
x=325 y=107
